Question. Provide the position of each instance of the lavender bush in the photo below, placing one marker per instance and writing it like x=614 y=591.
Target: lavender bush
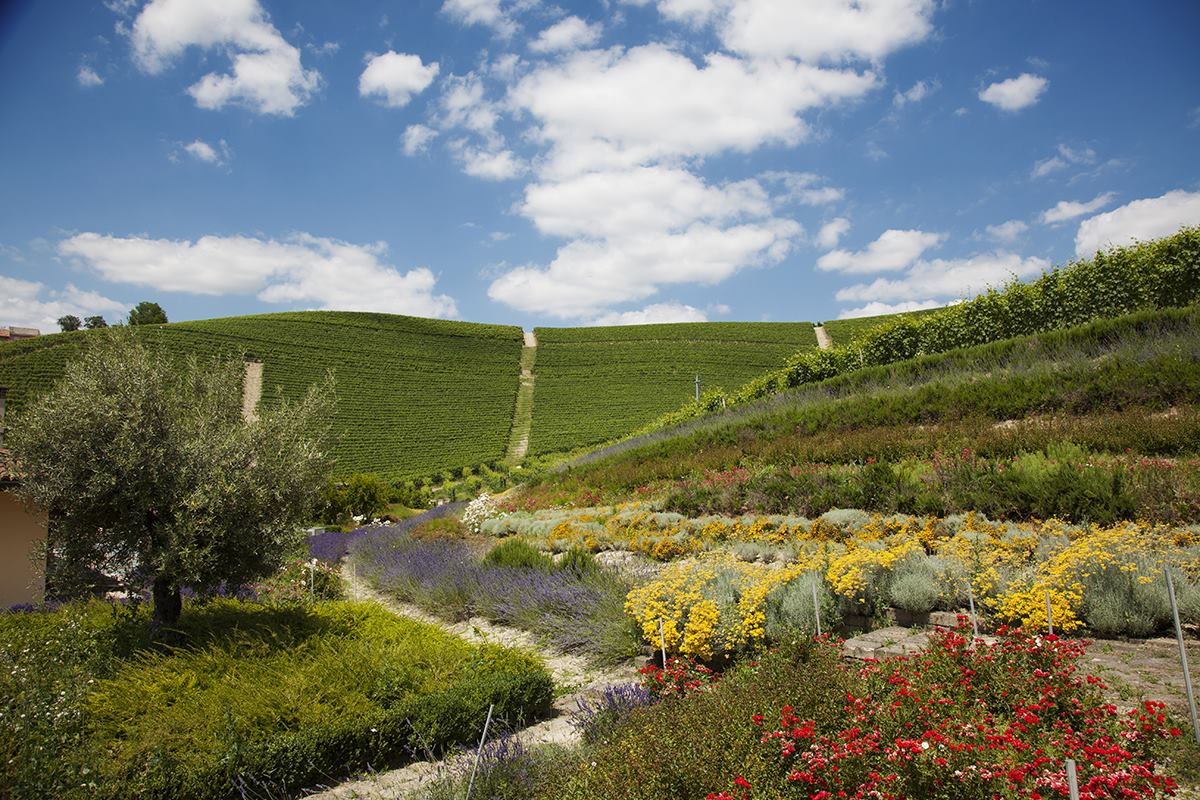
x=572 y=612
x=597 y=719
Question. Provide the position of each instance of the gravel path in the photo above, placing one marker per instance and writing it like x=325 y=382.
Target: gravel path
x=572 y=674
x=823 y=340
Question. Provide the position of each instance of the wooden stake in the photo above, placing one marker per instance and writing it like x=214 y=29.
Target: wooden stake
x=479 y=752
x=1183 y=660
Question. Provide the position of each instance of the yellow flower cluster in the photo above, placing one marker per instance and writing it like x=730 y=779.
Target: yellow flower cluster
x=851 y=573
x=694 y=622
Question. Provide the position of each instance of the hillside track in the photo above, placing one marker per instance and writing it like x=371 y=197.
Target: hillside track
x=573 y=675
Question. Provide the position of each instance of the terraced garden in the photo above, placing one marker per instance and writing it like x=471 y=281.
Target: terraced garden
x=414 y=396
x=595 y=384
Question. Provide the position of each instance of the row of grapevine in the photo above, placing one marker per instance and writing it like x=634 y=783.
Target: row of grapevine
x=1164 y=273
x=414 y=396
x=848 y=331
x=594 y=384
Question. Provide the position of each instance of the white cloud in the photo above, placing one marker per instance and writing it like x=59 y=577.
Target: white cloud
x=88 y=77
x=915 y=93
x=812 y=31
x=1140 y=220
x=639 y=201
x=567 y=34
x=876 y=309
x=947 y=278
x=202 y=151
x=1069 y=209
x=624 y=108
x=804 y=187
x=1016 y=93
x=416 y=139
x=395 y=78
x=1065 y=157
x=464 y=105
x=1007 y=232
x=481 y=12
x=26 y=304
x=832 y=232
x=299 y=270
x=587 y=276
x=654 y=313
x=497 y=165
x=267 y=75
x=894 y=249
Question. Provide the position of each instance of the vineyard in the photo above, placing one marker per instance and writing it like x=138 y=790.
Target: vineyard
x=848 y=331
x=414 y=396
x=595 y=384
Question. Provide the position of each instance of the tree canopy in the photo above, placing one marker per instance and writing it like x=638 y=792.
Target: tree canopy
x=147 y=313
x=94 y=322
x=69 y=322
x=151 y=474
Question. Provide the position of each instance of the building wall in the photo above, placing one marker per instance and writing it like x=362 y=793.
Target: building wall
x=21 y=534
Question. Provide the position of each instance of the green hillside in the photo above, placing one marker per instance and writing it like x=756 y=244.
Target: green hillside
x=415 y=396
x=595 y=384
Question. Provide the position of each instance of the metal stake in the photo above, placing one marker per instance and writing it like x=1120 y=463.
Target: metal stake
x=1049 y=614
x=662 y=638
x=1072 y=779
x=971 y=605
x=816 y=609
x=1187 y=673
x=479 y=752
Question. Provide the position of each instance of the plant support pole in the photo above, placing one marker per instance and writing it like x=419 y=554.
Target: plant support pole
x=1187 y=673
x=816 y=609
x=971 y=606
x=479 y=752
x=662 y=638
x=1049 y=614
x=1072 y=780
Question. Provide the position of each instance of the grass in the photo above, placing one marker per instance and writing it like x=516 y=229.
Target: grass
x=595 y=384
x=272 y=697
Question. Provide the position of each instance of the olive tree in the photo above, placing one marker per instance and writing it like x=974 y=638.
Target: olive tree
x=148 y=468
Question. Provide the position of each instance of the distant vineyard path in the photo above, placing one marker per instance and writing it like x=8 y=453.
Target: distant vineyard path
x=570 y=672
x=522 y=425
x=823 y=340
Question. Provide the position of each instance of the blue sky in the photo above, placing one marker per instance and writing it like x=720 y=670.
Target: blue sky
x=538 y=163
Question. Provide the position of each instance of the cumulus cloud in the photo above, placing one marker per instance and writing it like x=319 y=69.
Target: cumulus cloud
x=1066 y=156
x=805 y=188
x=832 y=232
x=946 y=278
x=488 y=13
x=267 y=75
x=813 y=31
x=493 y=165
x=1007 y=232
x=566 y=34
x=915 y=93
x=88 y=77
x=416 y=139
x=654 y=313
x=301 y=270
x=206 y=153
x=1016 y=93
x=28 y=304
x=1069 y=209
x=394 y=78
x=1140 y=220
x=603 y=109
x=893 y=250
x=876 y=309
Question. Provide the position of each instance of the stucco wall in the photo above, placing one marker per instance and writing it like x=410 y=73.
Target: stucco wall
x=21 y=533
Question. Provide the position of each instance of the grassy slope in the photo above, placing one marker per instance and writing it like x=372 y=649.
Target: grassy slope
x=1103 y=382
x=415 y=396
x=595 y=384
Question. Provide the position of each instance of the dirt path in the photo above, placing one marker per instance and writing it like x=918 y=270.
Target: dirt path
x=572 y=675
x=251 y=390
x=518 y=441
x=823 y=340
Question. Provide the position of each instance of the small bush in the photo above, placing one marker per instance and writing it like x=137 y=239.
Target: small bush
x=789 y=608
x=361 y=495
x=517 y=553
x=1117 y=602
x=578 y=562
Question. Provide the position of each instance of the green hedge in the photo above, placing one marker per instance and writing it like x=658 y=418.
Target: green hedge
x=1160 y=274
